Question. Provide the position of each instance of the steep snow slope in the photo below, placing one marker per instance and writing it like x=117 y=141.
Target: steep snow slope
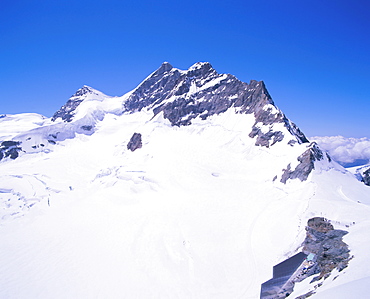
x=199 y=211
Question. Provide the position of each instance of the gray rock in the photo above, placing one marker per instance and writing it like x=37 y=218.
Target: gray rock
x=366 y=177
x=155 y=89
x=305 y=166
x=10 y=143
x=135 y=142
x=320 y=224
x=263 y=139
x=327 y=244
x=295 y=131
x=86 y=128
x=10 y=148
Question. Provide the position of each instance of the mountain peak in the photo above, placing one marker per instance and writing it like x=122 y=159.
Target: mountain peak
x=165 y=67
x=85 y=90
x=66 y=112
x=202 y=92
x=201 y=69
x=200 y=65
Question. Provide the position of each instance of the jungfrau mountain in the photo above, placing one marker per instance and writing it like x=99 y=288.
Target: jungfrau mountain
x=192 y=185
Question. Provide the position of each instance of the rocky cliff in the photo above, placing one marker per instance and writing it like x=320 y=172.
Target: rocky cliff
x=326 y=243
x=365 y=177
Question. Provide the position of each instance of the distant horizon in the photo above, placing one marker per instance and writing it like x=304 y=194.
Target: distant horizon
x=313 y=57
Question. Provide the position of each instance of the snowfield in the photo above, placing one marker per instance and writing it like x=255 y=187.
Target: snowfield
x=194 y=213
x=12 y=125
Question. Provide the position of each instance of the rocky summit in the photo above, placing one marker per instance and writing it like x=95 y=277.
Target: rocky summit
x=199 y=92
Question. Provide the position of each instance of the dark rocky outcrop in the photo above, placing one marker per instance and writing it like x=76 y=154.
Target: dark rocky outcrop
x=264 y=139
x=135 y=142
x=327 y=244
x=10 y=149
x=295 y=131
x=366 y=177
x=201 y=92
x=86 y=128
x=305 y=166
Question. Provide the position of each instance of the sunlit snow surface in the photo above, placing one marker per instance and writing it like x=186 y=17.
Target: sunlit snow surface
x=13 y=124
x=194 y=213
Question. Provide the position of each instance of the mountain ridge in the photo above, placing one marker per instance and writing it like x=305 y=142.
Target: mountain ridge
x=167 y=90
x=181 y=97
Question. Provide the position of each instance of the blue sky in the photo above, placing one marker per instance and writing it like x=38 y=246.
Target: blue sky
x=312 y=55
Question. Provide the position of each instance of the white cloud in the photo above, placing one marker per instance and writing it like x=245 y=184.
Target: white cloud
x=345 y=150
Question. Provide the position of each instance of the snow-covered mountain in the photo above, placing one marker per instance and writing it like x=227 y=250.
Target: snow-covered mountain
x=193 y=185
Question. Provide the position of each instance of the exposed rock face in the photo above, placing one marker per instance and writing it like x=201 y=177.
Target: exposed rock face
x=87 y=128
x=363 y=174
x=263 y=139
x=135 y=142
x=327 y=244
x=319 y=224
x=202 y=92
x=66 y=112
x=366 y=177
x=306 y=164
x=295 y=131
x=10 y=149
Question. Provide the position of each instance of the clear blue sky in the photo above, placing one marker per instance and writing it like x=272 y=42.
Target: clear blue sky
x=313 y=55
